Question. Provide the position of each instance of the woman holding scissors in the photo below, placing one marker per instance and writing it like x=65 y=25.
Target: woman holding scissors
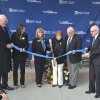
x=58 y=48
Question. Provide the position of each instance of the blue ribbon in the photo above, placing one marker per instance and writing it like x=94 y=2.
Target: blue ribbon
x=43 y=56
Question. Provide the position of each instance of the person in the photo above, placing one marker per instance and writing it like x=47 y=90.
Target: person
x=20 y=39
x=3 y=96
x=73 y=42
x=5 y=54
x=58 y=46
x=94 y=60
x=39 y=45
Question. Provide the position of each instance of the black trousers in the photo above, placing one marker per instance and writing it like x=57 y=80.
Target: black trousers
x=94 y=78
x=4 y=77
x=39 y=68
x=22 y=72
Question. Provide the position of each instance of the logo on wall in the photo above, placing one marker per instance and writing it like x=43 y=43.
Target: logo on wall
x=65 y=22
x=71 y=2
x=28 y=21
x=87 y=40
x=30 y=42
x=94 y=22
x=49 y=12
x=12 y=10
x=81 y=13
x=12 y=31
x=3 y=0
x=80 y=32
x=96 y=2
x=34 y=1
x=49 y=32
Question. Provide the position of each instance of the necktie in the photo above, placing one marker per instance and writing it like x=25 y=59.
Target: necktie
x=93 y=41
x=4 y=30
x=68 y=42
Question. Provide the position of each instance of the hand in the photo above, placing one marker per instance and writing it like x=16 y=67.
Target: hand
x=33 y=59
x=73 y=52
x=21 y=50
x=85 y=50
x=87 y=55
x=4 y=96
x=9 y=46
x=12 y=44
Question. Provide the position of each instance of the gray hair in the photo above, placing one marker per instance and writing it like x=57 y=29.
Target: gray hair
x=95 y=27
x=2 y=16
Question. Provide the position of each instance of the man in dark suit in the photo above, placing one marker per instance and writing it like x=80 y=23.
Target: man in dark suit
x=94 y=67
x=5 y=60
x=73 y=42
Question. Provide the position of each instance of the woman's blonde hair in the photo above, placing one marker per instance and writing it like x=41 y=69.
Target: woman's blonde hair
x=39 y=30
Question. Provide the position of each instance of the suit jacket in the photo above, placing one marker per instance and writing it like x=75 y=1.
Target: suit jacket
x=5 y=54
x=76 y=43
x=59 y=49
x=95 y=50
x=21 y=43
x=37 y=48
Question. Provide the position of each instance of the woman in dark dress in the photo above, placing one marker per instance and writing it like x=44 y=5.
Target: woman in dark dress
x=39 y=46
x=20 y=39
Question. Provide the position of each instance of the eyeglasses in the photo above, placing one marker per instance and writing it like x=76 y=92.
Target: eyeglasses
x=93 y=31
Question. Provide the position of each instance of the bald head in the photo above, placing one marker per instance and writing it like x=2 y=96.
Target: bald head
x=94 y=30
x=70 y=31
x=3 y=20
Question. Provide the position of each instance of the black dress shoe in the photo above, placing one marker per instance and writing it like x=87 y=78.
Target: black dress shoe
x=68 y=84
x=39 y=85
x=71 y=87
x=59 y=86
x=3 y=91
x=8 y=88
x=54 y=85
x=88 y=92
x=97 y=96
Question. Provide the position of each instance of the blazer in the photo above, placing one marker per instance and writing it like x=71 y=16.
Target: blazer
x=5 y=54
x=76 y=43
x=59 y=49
x=95 y=50
x=21 y=43
x=37 y=48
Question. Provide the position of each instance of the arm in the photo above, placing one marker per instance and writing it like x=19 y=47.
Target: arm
x=79 y=43
x=27 y=43
x=4 y=44
x=34 y=45
x=96 y=51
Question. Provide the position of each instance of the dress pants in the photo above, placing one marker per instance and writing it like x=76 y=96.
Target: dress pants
x=4 y=77
x=94 y=78
x=22 y=72
x=73 y=72
x=58 y=74
x=39 y=68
